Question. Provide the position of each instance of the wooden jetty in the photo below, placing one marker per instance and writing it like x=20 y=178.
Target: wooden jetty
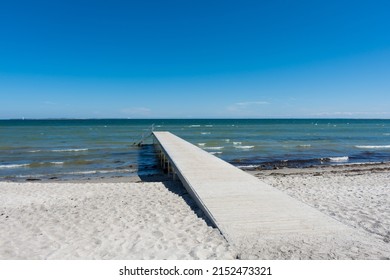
x=239 y=204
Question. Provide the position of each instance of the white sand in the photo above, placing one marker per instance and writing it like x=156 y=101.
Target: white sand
x=103 y=221
x=358 y=197
x=160 y=221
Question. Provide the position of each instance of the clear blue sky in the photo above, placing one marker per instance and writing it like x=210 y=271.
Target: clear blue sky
x=194 y=58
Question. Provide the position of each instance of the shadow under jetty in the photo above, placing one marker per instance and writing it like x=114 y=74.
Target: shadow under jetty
x=149 y=170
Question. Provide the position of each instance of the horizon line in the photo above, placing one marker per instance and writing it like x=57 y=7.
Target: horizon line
x=195 y=118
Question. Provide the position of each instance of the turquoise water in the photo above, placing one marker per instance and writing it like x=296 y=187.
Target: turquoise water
x=79 y=149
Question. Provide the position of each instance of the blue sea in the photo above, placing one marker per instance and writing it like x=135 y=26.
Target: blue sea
x=82 y=149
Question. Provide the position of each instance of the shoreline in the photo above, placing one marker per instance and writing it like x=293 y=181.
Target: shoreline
x=153 y=217
x=359 y=168
x=160 y=176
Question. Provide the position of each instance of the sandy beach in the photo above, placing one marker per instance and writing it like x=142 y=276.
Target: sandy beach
x=159 y=220
x=104 y=221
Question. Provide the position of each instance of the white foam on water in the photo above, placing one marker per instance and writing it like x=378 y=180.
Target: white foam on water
x=304 y=146
x=83 y=172
x=201 y=144
x=101 y=171
x=209 y=125
x=213 y=148
x=237 y=143
x=4 y=166
x=386 y=134
x=29 y=176
x=69 y=150
x=244 y=147
x=373 y=147
x=368 y=163
x=194 y=125
x=205 y=133
x=57 y=162
x=117 y=171
x=227 y=140
x=215 y=153
x=248 y=166
x=339 y=159
x=35 y=151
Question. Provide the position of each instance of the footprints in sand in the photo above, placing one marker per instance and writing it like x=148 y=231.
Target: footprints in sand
x=105 y=221
x=157 y=234
x=361 y=202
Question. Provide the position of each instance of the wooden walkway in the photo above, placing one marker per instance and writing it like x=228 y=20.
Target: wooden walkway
x=239 y=204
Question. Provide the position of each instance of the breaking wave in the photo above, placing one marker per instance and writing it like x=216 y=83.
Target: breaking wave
x=244 y=147
x=373 y=147
x=3 y=166
x=213 y=148
x=338 y=159
x=69 y=150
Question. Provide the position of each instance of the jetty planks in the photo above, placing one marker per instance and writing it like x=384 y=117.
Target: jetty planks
x=239 y=204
